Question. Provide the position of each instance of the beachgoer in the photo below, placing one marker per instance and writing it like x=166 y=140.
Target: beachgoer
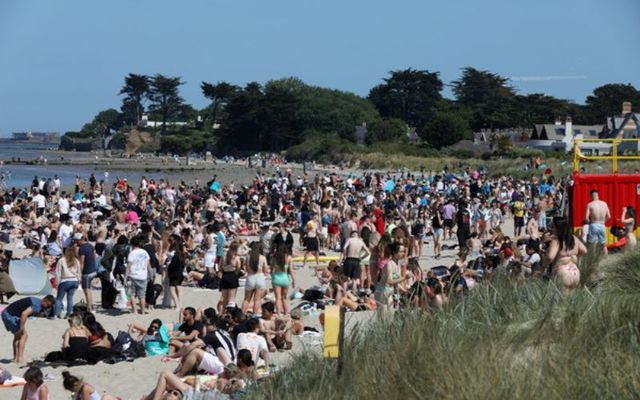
x=255 y=284
x=282 y=277
x=597 y=214
x=68 y=277
x=82 y=390
x=136 y=274
x=563 y=254
x=35 y=388
x=15 y=317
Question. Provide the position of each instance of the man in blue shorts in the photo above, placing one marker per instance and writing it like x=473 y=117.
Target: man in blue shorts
x=15 y=318
x=597 y=214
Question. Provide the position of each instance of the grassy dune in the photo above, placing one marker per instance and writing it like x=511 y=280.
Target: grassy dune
x=506 y=340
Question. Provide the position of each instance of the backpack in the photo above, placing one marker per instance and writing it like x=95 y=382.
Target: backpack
x=125 y=345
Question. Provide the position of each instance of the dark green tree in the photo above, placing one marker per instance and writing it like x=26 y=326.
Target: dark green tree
x=219 y=94
x=165 y=98
x=280 y=105
x=489 y=96
x=445 y=129
x=242 y=128
x=538 y=108
x=135 y=89
x=386 y=130
x=606 y=101
x=407 y=94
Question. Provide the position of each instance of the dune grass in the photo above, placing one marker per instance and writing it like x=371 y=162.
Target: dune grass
x=506 y=340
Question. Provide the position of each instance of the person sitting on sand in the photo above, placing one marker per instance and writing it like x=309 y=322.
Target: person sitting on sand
x=189 y=330
x=254 y=342
x=99 y=336
x=35 y=388
x=274 y=330
x=82 y=390
x=156 y=337
x=15 y=318
x=76 y=331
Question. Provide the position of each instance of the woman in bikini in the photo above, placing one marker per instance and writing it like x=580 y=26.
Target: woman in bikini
x=282 y=278
x=229 y=278
x=563 y=254
x=390 y=278
x=630 y=222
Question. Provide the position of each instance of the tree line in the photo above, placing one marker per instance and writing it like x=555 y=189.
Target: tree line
x=285 y=112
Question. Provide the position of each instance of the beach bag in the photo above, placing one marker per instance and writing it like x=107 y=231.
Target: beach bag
x=125 y=345
x=122 y=299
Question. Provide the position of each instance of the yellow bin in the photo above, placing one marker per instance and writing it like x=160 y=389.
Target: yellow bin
x=331 y=332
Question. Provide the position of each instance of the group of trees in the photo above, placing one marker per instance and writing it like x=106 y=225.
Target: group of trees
x=285 y=112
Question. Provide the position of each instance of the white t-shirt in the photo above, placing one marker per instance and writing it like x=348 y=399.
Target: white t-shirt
x=63 y=206
x=137 y=263
x=40 y=201
x=66 y=232
x=254 y=343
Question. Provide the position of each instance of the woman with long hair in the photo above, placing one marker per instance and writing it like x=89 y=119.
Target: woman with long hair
x=82 y=390
x=630 y=221
x=229 y=278
x=282 y=278
x=175 y=271
x=390 y=278
x=437 y=228
x=563 y=255
x=67 y=279
x=256 y=283
x=99 y=336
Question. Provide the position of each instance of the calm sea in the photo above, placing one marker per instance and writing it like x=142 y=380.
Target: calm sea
x=22 y=175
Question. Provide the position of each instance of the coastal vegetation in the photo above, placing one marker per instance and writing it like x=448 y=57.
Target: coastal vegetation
x=289 y=115
x=505 y=339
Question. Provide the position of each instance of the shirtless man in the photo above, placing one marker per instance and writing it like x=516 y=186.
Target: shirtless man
x=274 y=329
x=597 y=214
x=533 y=230
x=355 y=250
x=212 y=207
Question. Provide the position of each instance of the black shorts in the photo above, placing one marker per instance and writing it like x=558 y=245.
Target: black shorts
x=351 y=268
x=229 y=280
x=518 y=222
x=210 y=215
x=311 y=244
x=448 y=223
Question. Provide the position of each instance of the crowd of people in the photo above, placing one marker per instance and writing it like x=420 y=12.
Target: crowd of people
x=148 y=240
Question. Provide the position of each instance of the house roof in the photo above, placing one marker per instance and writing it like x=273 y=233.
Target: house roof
x=557 y=132
x=616 y=126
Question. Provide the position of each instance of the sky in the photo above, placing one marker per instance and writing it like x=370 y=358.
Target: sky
x=63 y=61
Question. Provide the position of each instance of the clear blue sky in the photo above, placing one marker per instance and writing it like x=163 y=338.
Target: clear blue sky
x=63 y=61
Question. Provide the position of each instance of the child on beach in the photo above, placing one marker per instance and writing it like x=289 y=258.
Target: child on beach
x=34 y=389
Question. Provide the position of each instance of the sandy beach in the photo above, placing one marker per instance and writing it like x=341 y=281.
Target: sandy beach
x=132 y=379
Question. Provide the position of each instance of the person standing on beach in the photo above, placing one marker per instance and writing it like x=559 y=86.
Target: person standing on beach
x=137 y=272
x=15 y=318
x=597 y=214
x=89 y=269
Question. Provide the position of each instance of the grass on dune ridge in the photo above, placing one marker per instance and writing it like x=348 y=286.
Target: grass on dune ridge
x=506 y=340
